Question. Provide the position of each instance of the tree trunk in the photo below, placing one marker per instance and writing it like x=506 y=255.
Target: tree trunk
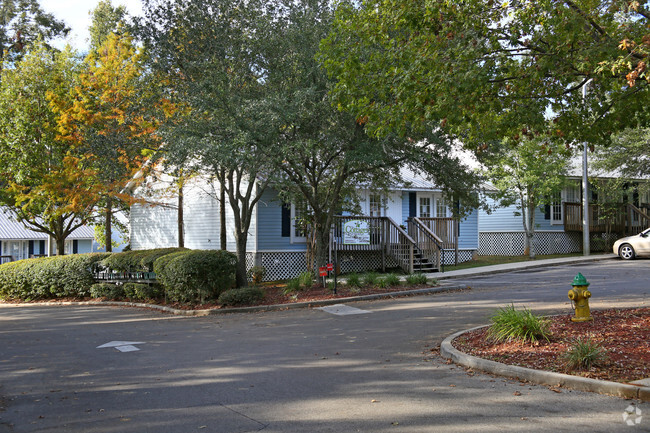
x=181 y=237
x=222 y=217
x=108 y=229
x=240 y=240
x=322 y=242
x=60 y=245
x=530 y=229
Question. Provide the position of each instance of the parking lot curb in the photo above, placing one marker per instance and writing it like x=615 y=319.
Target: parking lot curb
x=540 y=377
x=256 y=309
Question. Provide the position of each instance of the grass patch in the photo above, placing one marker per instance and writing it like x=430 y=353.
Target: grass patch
x=583 y=354
x=509 y=324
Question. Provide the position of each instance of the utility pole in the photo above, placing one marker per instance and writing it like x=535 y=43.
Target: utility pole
x=585 y=187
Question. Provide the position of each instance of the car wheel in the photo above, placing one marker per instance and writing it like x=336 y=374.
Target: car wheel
x=626 y=252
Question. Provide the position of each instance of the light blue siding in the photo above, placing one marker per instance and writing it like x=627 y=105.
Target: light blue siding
x=503 y=219
x=84 y=246
x=468 y=239
x=269 y=227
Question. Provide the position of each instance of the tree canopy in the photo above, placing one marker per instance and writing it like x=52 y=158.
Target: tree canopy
x=487 y=69
x=260 y=109
x=44 y=182
x=21 y=23
x=111 y=116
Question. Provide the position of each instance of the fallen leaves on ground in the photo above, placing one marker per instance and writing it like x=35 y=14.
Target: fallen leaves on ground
x=623 y=333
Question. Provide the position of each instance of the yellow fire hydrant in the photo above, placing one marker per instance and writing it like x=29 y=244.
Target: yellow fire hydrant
x=580 y=297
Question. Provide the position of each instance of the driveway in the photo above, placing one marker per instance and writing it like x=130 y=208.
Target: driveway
x=298 y=370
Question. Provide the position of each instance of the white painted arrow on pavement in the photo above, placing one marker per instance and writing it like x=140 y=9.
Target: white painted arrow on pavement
x=122 y=346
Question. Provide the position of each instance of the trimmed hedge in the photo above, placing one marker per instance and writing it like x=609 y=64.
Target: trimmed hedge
x=138 y=291
x=49 y=277
x=243 y=296
x=136 y=261
x=196 y=275
x=110 y=291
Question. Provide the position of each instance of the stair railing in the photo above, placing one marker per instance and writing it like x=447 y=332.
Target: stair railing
x=430 y=245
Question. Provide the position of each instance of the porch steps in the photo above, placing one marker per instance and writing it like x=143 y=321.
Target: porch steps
x=423 y=264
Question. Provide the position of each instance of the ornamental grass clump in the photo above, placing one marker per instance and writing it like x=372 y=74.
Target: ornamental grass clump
x=354 y=280
x=509 y=324
x=583 y=354
x=370 y=279
x=415 y=279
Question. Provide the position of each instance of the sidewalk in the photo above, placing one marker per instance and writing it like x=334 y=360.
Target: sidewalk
x=518 y=266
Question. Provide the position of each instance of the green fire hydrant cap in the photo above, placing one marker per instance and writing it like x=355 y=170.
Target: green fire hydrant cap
x=580 y=280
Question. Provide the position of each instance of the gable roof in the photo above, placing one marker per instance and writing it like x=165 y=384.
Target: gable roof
x=10 y=229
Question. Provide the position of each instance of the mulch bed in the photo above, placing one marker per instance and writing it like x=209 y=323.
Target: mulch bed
x=623 y=333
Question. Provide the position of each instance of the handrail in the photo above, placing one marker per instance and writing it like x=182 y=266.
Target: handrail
x=629 y=220
x=426 y=240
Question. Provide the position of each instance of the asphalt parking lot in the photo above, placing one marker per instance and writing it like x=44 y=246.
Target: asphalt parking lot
x=369 y=370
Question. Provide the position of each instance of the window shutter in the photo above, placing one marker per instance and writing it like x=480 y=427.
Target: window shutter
x=31 y=249
x=41 y=248
x=412 y=204
x=286 y=221
x=547 y=212
x=75 y=246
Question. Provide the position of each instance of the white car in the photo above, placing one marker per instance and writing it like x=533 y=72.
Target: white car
x=633 y=246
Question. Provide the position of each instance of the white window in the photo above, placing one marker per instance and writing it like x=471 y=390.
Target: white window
x=556 y=209
x=442 y=211
x=425 y=207
x=376 y=205
x=298 y=223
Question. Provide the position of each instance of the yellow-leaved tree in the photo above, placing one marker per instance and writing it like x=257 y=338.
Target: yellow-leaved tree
x=113 y=116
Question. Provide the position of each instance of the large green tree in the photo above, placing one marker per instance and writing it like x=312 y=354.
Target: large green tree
x=260 y=109
x=21 y=23
x=44 y=183
x=486 y=69
x=106 y=19
x=528 y=173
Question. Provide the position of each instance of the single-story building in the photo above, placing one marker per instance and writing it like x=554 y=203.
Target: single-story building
x=411 y=225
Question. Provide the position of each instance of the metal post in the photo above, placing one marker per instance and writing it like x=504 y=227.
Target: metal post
x=585 y=189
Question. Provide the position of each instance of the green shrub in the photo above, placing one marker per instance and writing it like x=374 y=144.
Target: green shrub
x=49 y=277
x=293 y=286
x=392 y=280
x=139 y=291
x=150 y=256
x=583 y=354
x=520 y=325
x=241 y=296
x=136 y=261
x=161 y=262
x=306 y=279
x=370 y=279
x=415 y=279
x=354 y=280
x=108 y=291
x=196 y=275
x=256 y=274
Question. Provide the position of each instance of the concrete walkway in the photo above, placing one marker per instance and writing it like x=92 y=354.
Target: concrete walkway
x=519 y=266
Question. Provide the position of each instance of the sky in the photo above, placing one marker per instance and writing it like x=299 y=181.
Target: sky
x=75 y=13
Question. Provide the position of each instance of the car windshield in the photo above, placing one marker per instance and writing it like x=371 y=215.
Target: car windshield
x=646 y=231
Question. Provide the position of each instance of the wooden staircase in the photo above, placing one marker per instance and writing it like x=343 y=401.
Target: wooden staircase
x=418 y=250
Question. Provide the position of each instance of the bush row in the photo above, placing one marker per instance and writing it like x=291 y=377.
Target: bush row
x=49 y=277
x=187 y=276
x=137 y=261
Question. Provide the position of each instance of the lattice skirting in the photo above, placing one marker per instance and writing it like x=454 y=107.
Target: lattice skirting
x=512 y=244
x=463 y=256
x=279 y=265
x=283 y=265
